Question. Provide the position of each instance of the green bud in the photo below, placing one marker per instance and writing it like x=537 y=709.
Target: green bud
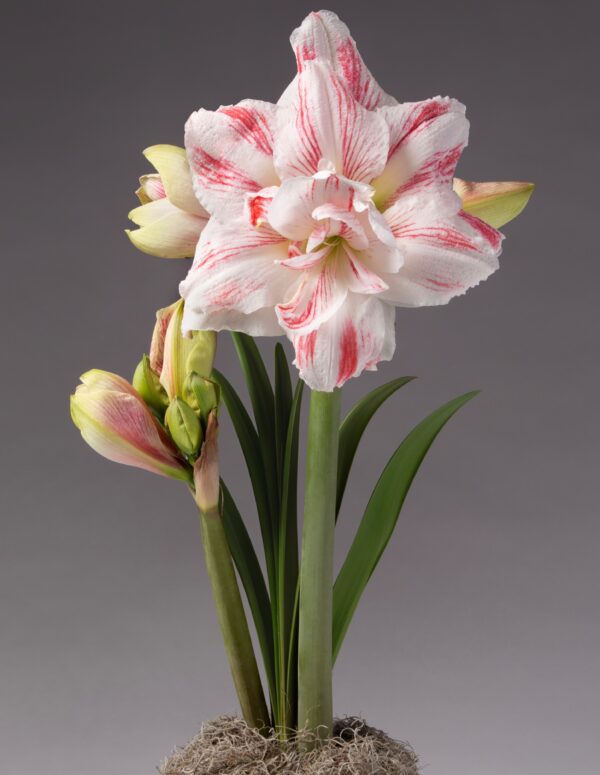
x=184 y=426
x=203 y=394
x=147 y=384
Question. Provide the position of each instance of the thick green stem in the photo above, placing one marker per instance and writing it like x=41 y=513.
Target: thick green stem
x=232 y=618
x=315 y=698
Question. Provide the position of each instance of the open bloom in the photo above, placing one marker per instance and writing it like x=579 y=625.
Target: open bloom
x=170 y=217
x=328 y=210
x=116 y=423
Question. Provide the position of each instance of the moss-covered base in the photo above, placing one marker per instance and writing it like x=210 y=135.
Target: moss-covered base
x=228 y=745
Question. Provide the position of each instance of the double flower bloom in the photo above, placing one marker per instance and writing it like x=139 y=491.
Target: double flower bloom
x=318 y=215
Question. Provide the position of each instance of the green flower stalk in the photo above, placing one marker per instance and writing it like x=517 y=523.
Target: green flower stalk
x=226 y=593
x=315 y=700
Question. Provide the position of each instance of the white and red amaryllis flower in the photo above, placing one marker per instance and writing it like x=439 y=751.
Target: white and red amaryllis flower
x=328 y=210
x=116 y=423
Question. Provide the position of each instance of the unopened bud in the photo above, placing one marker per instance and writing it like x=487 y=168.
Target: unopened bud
x=147 y=384
x=203 y=394
x=184 y=426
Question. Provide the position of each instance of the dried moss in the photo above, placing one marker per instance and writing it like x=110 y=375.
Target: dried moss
x=228 y=745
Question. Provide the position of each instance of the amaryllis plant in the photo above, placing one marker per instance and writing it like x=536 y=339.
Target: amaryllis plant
x=313 y=217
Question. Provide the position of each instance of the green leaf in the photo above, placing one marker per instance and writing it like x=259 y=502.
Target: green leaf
x=263 y=406
x=249 y=442
x=248 y=568
x=283 y=402
x=354 y=426
x=381 y=515
x=288 y=561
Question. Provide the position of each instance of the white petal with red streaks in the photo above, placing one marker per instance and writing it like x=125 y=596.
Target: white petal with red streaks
x=323 y=37
x=446 y=251
x=338 y=222
x=328 y=124
x=237 y=268
x=426 y=140
x=307 y=260
x=292 y=208
x=230 y=152
x=356 y=338
x=319 y=295
x=261 y=322
x=359 y=277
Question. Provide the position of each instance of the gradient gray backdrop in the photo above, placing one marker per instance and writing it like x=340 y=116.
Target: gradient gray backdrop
x=478 y=639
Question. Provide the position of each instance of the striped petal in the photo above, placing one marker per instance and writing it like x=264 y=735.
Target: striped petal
x=261 y=322
x=235 y=271
x=151 y=188
x=116 y=423
x=324 y=38
x=329 y=125
x=446 y=251
x=319 y=295
x=426 y=140
x=230 y=152
x=171 y=163
x=292 y=210
x=356 y=338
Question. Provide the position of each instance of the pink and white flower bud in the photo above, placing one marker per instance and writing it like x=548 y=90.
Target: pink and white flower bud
x=116 y=423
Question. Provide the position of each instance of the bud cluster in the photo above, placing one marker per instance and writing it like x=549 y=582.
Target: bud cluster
x=159 y=421
x=174 y=380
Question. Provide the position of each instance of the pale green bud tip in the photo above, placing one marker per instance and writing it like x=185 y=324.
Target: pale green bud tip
x=147 y=384
x=201 y=354
x=495 y=203
x=206 y=469
x=184 y=426
x=204 y=395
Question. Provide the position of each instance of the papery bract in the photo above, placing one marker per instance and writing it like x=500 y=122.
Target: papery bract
x=329 y=209
x=116 y=423
x=170 y=217
x=173 y=356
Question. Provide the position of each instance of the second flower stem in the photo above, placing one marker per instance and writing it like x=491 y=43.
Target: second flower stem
x=315 y=696
x=232 y=618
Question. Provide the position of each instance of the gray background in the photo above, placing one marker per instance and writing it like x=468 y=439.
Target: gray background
x=478 y=639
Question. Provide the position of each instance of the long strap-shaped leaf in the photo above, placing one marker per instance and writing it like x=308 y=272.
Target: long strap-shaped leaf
x=353 y=427
x=381 y=515
x=263 y=406
x=253 y=581
x=250 y=445
x=288 y=562
x=283 y=403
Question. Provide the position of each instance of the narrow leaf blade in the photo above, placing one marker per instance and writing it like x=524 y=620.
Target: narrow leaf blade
x=354 y=426
x=283 y=402
x=263 y=406
x=288 y=561
x=381 y=516
x=249 y=443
